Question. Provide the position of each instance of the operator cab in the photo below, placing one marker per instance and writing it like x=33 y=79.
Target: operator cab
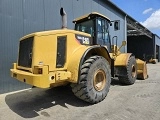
x=97 y=25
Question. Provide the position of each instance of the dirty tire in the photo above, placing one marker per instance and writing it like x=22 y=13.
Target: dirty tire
x=131 y=72
x=94 y=80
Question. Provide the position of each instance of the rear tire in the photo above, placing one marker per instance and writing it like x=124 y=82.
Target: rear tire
x=94 y=80
x=131 y=72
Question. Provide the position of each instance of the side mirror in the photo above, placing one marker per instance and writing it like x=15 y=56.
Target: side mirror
x=124 y=43
x=117 y=25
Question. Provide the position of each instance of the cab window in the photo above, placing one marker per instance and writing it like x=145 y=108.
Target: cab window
x=86 y=27
x=102 y=32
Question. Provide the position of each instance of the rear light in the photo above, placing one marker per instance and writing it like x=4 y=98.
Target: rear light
x=41 y=70
x=38 y=70
x=14 y=75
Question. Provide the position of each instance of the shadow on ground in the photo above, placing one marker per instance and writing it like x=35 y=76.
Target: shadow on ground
x=115 y=81
x=28 y=103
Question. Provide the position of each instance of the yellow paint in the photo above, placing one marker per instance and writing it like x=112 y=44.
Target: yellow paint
x=40 y=80
x=62 y=75
x=74 y=61
x=87 y=15
x=141 y=69
x=44 y=53
x=121 y=59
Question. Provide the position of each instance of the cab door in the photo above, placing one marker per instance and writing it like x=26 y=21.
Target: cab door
x=102 y=33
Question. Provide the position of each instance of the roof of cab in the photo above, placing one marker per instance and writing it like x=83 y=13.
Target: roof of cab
x=90 y=15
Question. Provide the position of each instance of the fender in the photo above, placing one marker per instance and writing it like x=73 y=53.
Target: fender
x=96 y=50
x=80 y=55
x=120 y=64
x=74 y=62
x=122 y=59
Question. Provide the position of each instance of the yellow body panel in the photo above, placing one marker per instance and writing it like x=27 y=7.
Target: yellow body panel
x=31 y=79
x=45 y=47
x=74 y=61
x=44 y=58
x=44 y=80
x=121 y=59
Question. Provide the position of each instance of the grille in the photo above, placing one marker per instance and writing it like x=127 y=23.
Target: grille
x=25 y=52
x=61 y=51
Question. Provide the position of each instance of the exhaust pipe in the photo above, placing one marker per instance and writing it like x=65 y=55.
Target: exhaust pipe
x=64 y=18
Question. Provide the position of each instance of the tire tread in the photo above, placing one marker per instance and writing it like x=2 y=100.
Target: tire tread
x=80 y=90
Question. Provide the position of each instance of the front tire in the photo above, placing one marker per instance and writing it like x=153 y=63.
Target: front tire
x=131 y=72
x=94 y=80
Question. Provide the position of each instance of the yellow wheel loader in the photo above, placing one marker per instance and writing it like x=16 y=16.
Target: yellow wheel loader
x=83 y=57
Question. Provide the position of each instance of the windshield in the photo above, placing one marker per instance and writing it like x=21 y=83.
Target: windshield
x=86 y=27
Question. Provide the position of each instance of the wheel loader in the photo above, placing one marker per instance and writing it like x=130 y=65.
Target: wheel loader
x=83 y=58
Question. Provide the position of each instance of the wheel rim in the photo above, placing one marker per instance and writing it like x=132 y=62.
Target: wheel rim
x=133 y=71
x=99 y=80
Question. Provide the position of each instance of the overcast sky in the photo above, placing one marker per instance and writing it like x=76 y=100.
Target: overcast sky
x=147 y=12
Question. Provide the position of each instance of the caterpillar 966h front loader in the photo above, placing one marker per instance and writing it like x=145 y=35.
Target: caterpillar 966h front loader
x=83 y=57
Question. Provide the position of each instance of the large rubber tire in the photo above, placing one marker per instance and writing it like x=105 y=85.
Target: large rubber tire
x=94 y=80
x=131 y=72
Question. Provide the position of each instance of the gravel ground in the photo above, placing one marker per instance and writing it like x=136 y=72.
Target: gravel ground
x=140 y=101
